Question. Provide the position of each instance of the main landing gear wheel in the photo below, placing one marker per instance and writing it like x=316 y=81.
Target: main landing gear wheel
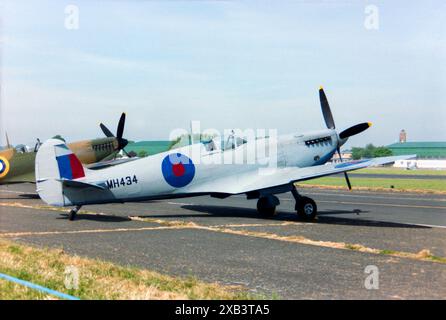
x=266 y=206
x=306 y=208
x=73 y=213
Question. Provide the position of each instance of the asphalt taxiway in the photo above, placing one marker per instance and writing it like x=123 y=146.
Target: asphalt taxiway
x=226 y=241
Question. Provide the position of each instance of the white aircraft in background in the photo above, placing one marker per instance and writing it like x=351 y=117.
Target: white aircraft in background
x=63 y=181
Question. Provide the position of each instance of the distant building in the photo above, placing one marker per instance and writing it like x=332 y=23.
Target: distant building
x=403 y=136
x=423 y=150
x=421 y=164
x=148 y=147
x=346 y=156
x=429 y=154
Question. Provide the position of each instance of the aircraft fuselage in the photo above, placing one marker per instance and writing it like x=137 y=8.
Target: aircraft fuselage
x=158 y=177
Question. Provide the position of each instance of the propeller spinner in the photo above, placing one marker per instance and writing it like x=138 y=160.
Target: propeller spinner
x=344 y=135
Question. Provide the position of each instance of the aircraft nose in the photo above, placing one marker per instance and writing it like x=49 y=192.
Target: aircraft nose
x=341 y=141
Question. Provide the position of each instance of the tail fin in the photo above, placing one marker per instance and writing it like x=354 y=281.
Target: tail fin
x=55 y=163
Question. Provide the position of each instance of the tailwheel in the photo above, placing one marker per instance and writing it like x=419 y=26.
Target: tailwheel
x=306 y=208
x=266 y=206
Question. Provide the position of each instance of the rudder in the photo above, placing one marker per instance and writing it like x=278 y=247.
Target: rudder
x=56 y=162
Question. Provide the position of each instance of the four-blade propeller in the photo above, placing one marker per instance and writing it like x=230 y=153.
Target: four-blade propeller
x=119 y=132
x=344 y=135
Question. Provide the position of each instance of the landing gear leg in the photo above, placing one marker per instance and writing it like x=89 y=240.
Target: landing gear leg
x=305 y=207
x=73 y=212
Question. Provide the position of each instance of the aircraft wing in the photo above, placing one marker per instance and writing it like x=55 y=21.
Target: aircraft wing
x=263 y=180
x=109 y=163
x=23 y=178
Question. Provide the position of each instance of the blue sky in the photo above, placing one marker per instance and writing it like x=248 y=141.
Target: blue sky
x=230 y=64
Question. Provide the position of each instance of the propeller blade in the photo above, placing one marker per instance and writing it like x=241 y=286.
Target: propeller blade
x=126 y=153
x=355 y=130
x=106 y=131
x=338 y=149
x=328 y=117
x=122 y=143
x=7 y=141
x=120 y=130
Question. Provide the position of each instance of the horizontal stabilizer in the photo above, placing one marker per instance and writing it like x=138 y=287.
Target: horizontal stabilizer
x=79 y=184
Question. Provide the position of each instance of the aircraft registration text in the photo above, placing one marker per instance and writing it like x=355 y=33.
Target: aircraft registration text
x=125 y=181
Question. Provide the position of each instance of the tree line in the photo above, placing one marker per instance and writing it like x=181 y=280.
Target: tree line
x=370 y=151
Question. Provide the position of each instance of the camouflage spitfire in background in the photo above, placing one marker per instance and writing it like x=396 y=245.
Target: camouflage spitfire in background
x=17 y=166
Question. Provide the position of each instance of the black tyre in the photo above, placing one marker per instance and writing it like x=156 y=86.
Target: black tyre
x=72 y=215
x=306 y=208
x=264 y=207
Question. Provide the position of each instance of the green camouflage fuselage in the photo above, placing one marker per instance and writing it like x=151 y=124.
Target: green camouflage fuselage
x=17 y=167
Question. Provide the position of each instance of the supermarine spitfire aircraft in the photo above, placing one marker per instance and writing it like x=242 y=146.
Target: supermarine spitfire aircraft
x=17 y=166
x=63 y=181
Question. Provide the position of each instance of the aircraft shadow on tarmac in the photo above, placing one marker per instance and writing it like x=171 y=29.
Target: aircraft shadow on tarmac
x=22 y=196
x=29 y=196
x=96 y=217
x=324 y=217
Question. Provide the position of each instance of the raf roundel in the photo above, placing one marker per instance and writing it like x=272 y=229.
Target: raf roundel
x=4 y=167
x=178 y=170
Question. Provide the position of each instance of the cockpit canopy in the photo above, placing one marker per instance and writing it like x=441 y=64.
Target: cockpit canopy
x=21 y=148
x=231 y=142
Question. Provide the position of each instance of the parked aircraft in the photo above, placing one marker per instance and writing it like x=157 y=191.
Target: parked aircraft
x=17 y=164
x=63 y=181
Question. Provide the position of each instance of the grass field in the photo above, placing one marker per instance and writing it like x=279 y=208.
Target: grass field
x=97 y=279
x=391 y=170
x=428 y=185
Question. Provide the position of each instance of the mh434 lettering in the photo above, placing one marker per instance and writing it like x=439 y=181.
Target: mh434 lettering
x=121 y=182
